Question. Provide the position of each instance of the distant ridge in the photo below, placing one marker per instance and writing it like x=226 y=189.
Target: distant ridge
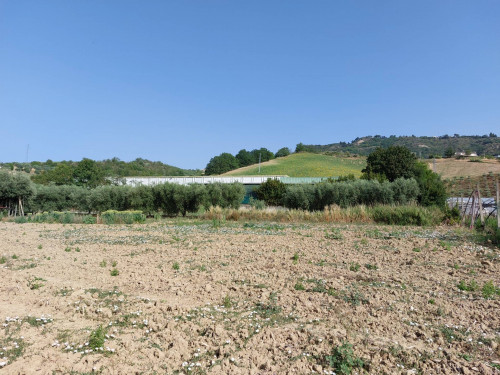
x=424 y=147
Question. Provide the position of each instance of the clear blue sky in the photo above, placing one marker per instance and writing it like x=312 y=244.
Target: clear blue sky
x=182 y=81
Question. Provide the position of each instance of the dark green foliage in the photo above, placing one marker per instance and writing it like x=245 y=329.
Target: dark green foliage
x=60 y=198
x=16 y=189
x=88 y=174
x=345 y=194
x=142 y=198
x=393 y=162
x=405 y=190
x=432 y=189
x=105 y=198
x=264 y=153
x=490 y=231
x=284 y=151
x=62 y=174
x=223 y=163
x=245 y=158
x=173 y=199
x=224 y=195
x=300 y=147
x=271 y=192
x=295 y=197
x=449 y=152
x=398 y=162
x=404 y=215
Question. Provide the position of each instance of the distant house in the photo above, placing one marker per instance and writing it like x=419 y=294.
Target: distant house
x=463 y=154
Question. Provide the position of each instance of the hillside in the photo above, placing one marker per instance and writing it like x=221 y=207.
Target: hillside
x=305 y=164
x=423 y=147
x=111 y=167
x=451 y=168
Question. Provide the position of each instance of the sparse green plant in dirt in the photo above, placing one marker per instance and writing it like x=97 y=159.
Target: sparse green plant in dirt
x=37 y=322
x=68 y=249
x=97 y=337
x=432 y=301
x=114 y=263
x=3 y=260
x=342 y=359
x=417 y=249
x=295 y=258
x=353 y=296
x=35 y=283
x=175 y=266
x=334 y=234
x=103 y=263
x=12 y=348
x=77 y=249
x=354 y=267
x=489 y=290
x=472 y=286
x=114 y=272
x=371 y=266
x=299 y=286
x=445 y=245
x=267 y=310
x=226 y=302
x=39 y=247
x=451 y=334
x=15 y=256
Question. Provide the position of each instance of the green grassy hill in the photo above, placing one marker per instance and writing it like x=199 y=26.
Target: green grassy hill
x=305 y=164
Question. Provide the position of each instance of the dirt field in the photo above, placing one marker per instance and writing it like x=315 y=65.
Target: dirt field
x=195 y=297
x=449 y=168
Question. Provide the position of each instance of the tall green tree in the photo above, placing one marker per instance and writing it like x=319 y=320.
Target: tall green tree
x=284 y=151
x=245 y=158
x=264 y=153
x=89 y=174
x=223 y=163
x=398 y=162
x=449 y=152
x=62 y=174
x=391 y=162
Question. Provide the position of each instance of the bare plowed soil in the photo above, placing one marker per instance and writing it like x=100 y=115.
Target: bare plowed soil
x=255 y=298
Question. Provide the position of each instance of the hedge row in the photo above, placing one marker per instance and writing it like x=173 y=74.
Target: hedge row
x=350 y=193
x=171 y=199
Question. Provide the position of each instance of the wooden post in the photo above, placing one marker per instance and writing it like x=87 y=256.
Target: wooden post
x=498 y=205
x=480 y=205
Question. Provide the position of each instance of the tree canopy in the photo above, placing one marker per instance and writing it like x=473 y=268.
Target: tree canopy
x=223 y=163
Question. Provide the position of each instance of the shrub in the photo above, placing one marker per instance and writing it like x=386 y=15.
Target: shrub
x=224 y=195
x=122 y=217
x=403 y=215
x=271 y=192
x=89 y=220
x=257 y=204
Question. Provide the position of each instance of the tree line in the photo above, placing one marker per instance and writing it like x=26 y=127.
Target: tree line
x=226 y=162
x=70 y=172
x=18 y=195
